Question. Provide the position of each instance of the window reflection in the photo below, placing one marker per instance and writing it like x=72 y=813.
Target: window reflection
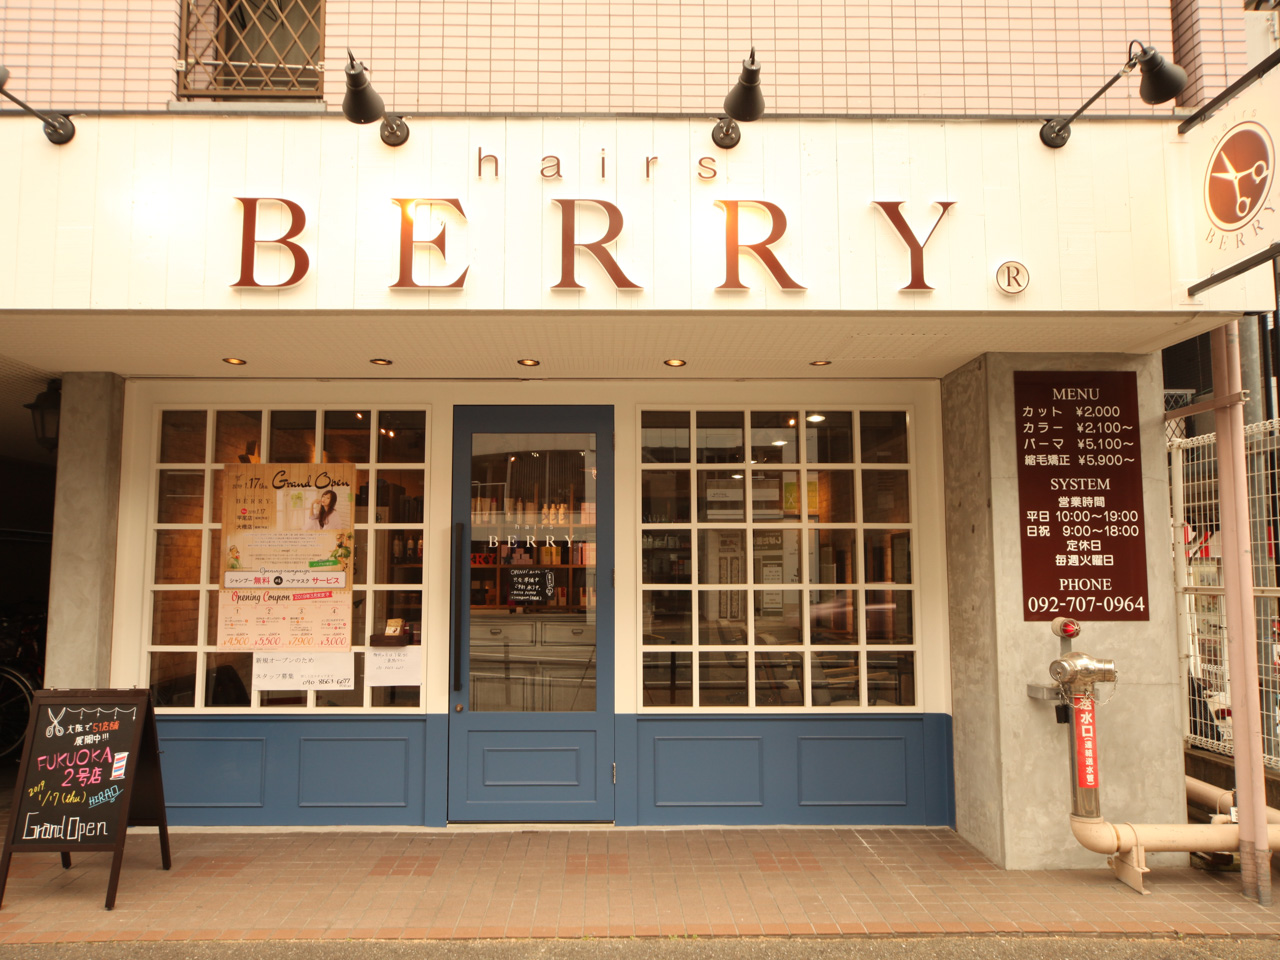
x=774 y=437
x=829 y=436
x=722 y=556
x=721 y=495
x=720 y=436
x=884 y=436
x=664 y=436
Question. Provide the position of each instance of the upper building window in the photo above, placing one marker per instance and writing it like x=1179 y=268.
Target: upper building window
x=254 y=49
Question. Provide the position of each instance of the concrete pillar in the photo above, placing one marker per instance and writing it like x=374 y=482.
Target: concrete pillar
x=1012 y=782
x=82 y=572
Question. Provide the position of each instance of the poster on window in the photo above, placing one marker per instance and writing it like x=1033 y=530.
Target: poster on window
x=287 y=541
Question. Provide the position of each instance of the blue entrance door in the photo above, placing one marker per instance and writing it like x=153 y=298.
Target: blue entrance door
x=531 y=684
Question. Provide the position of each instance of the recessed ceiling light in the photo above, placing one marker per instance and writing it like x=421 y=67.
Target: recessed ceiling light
x=815 y=418
x=234 y=361
x=674 y=363
x=819 y=363
x=526 y=362
x=779 y=443
x=380 y=361
x=736 y=476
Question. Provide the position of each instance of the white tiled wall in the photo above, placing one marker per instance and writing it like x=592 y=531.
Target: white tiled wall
x=622 y=56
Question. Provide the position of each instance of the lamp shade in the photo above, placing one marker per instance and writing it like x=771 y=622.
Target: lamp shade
x=46 y=412
x=1161 y=79
x=745 y=101
x=362 y=103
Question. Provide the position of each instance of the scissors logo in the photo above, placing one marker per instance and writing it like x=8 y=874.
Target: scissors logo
x=1239 y=176
x=55 y=728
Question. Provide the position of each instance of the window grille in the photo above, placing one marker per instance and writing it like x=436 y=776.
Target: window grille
x=247 y=49
x=387 y=446
x=776 y=559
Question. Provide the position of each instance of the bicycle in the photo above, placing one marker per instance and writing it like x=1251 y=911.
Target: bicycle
x=21 y=674
x=16 y=694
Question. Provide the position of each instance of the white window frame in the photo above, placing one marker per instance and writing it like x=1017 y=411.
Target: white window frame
x=921 y=645
x=209 y=533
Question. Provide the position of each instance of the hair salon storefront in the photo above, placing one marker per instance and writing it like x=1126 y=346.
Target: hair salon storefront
x=603 y=588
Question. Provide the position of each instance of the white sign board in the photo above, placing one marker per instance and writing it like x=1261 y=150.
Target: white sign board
x=304 y=670
x=1234 y=161
x=393 y=666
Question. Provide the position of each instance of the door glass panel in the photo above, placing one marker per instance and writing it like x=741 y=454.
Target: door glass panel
x=533 y=573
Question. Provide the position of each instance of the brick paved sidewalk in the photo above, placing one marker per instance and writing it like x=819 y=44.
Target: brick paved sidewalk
x=571 y=883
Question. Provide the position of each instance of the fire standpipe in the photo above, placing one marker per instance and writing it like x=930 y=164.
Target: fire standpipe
x=1125 y=844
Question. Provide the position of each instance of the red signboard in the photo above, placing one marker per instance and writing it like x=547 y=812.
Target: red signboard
x=1084 y=551
x=1086 y=737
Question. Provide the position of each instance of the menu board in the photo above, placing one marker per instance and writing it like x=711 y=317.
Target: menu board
x=1084 y=551
x=90 y=769
x=532 y=585
x=288 y=538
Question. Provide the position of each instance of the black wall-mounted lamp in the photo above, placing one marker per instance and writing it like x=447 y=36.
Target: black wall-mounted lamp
x=57 y=128
x=745 y=102
x=46 y=412
x=363 y=105
x=1161 y=80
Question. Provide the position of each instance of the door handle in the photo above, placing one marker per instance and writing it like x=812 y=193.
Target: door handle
x=457 y=606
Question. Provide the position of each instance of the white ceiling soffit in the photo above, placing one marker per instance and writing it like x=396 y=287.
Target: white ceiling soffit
x=569 y=345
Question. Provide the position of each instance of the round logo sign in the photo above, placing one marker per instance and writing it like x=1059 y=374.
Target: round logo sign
x=1239 y=176
x=1013 y=277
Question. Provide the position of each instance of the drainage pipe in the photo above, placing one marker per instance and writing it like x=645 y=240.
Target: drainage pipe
x=1100 y=836
x=1218 y=799
x=1242 y=637
x=1127 y=843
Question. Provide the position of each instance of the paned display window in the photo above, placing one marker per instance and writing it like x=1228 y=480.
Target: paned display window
x=776 y=559
x=385 y=560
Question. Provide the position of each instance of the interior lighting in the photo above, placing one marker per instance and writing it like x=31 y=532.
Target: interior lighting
x=779 y=443
x=745 y=103
x=815 y=418
x=819 y=363
x=380 y=362
x=57 y=128
x=674 y=362
x=528 y=362
x=234 y=361
x=1161 y=80
x=363 y=105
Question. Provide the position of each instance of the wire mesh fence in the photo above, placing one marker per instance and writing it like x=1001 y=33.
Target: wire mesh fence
x=1198 y=555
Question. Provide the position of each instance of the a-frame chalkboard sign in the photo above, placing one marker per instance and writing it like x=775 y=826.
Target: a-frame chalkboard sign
x=90 y=770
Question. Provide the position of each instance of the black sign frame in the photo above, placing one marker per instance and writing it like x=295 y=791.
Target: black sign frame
x=140 y=802
x=530 y=586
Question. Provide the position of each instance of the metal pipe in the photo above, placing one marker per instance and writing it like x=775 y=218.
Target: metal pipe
x=1100 y=836
x=1127 y=844
x=1218 y=799
x=1242 y=639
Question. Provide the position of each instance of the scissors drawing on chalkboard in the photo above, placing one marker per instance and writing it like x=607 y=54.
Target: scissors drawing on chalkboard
x=54 y=728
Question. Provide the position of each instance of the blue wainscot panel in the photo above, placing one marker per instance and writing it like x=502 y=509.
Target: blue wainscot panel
x=292 y=770
x=859 y=770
